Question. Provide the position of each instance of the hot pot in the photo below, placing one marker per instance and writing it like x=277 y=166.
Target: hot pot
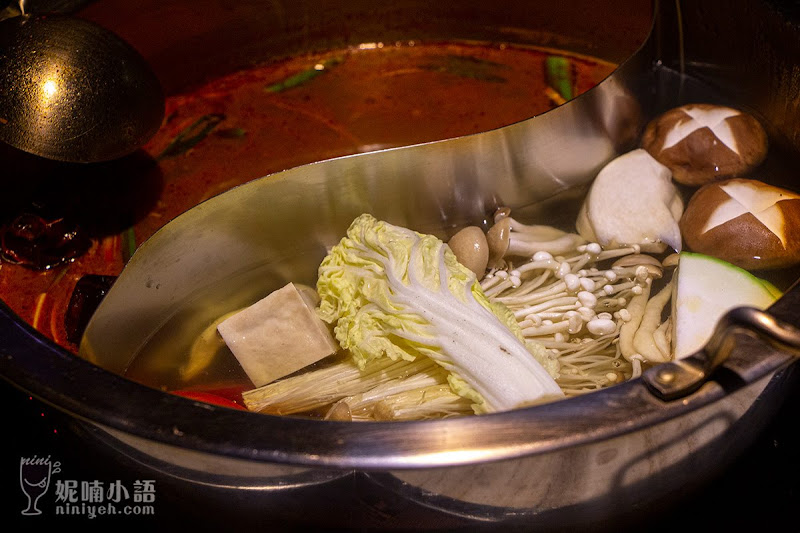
x=585 y=461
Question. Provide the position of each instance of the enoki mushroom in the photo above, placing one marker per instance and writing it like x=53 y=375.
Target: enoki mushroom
x=593 y=308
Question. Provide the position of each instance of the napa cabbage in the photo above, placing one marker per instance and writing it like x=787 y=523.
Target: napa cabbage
x=392 y=292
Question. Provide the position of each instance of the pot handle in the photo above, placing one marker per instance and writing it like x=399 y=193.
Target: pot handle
x=676 y=379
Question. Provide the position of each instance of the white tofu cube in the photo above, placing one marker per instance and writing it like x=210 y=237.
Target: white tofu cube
x=276 y=336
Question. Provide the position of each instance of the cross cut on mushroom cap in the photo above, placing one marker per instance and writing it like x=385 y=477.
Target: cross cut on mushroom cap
x=702 y=143
x=745 y=222
x=715 y=119
x=757 y=199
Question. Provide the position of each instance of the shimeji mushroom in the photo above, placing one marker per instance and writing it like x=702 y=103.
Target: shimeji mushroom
x=471 y=249
x=575 y=308
x=510 y=238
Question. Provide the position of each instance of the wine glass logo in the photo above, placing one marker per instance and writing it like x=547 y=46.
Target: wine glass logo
x=34 y=479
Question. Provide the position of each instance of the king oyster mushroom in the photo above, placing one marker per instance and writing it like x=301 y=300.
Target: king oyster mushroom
x=632 y=201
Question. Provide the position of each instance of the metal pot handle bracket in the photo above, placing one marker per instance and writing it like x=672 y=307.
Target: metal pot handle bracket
x=677 y=379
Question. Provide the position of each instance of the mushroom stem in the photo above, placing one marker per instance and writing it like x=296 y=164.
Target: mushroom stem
x=618 y=252
x=643 y=340
x=536 y=231
x=628 y=330
x=522 y=246
x=636 y=362
x=498 y=288
x=555 y=290
x=488 y=282
x=529 y=310
x=549 y=264
x=546 y=329
x=509 y=237
x=530 y=287
x=662 y=339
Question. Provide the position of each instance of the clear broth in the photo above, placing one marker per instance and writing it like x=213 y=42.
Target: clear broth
x=159 y=361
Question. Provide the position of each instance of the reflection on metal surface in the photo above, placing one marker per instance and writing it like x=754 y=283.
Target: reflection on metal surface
x=677 y=379
x=212 y=470
x=431 y=188
x=572 y=487
x=49 y=90
x=558 y=490
x=580 y=474
x=74 y=91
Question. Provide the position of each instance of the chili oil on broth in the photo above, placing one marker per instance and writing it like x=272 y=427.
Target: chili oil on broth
x=256 y=122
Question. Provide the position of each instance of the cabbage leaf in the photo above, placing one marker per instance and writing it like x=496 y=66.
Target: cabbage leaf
x=392 y=292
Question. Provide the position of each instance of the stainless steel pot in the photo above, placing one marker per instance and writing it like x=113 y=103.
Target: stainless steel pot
x=581 y=462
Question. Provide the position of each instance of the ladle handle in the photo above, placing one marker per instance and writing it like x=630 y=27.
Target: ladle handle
x=676 y=379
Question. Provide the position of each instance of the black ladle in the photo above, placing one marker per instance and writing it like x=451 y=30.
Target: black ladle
x=73 y=91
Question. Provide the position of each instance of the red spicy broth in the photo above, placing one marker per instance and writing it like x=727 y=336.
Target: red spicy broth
x=67 y=235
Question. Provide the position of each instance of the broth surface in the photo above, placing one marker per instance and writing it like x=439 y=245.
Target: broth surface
x=244 y=126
